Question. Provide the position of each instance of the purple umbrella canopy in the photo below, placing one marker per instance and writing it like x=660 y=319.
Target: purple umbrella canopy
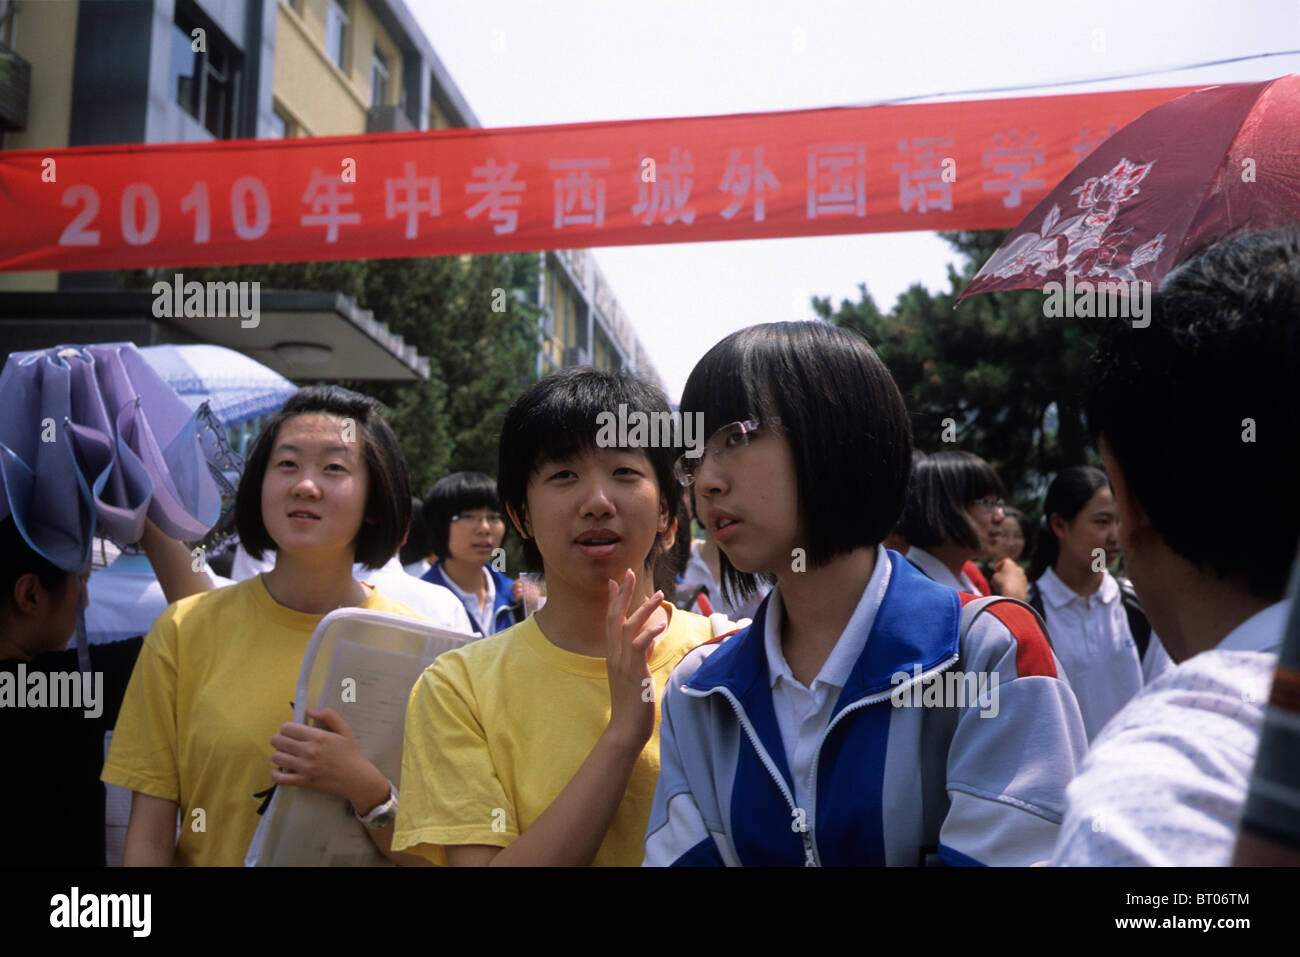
x=93 y=442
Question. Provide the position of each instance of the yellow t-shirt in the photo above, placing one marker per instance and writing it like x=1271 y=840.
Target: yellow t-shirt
x=215 y=680
x=496 y=729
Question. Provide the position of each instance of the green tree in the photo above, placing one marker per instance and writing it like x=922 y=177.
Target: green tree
x=470 y=316
x=994 y=365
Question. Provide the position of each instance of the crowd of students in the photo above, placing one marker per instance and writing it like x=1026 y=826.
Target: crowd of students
x=818 y=725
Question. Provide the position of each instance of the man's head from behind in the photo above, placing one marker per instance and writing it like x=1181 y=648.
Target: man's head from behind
x=38 y=603
x=1198 y=419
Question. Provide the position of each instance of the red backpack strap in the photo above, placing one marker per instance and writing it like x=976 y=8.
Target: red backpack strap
x=1033 y=651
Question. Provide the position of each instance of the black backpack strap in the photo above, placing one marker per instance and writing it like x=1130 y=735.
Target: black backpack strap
x=1138 y=625
x=688 y=602
x=1034 y=599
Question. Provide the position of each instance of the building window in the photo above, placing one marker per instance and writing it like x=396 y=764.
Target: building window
x=204 y=83
x=379 y=79
x=282 y=125
x=336 y=32
x=184 y=85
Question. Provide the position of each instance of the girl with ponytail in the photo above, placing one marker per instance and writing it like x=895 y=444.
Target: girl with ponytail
x=1094 y=630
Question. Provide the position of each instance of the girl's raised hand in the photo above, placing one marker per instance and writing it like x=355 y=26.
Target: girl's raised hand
x=629 y=643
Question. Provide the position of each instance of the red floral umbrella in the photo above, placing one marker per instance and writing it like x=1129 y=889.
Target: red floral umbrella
x=1181 y=175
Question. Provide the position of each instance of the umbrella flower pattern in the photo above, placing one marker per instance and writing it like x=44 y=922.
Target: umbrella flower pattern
x=1086 y=244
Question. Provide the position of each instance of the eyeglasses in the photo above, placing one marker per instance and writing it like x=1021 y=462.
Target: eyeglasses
x=992 y=504
x=473 y=518
x=736 y=435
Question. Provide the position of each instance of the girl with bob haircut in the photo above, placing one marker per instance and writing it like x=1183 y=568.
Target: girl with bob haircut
x=802 y=739
x=539 y=745
x=466 y=526
x=206 y=724
x=953 y=513
x=1094 y=625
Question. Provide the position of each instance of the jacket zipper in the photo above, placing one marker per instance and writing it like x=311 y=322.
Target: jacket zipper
x=862 y=703
x=811 y=857
x=809 y=846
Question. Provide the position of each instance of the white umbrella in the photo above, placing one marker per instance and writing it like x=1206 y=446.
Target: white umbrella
x=236 y=387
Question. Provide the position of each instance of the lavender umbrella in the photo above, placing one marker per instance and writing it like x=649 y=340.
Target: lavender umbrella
x=93 y=441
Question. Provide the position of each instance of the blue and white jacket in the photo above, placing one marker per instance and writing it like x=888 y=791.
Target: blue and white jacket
x=502 y=612
x=901 y=776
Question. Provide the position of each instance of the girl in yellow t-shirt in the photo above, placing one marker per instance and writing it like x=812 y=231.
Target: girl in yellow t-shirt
x=206 y=725
x=539 y=745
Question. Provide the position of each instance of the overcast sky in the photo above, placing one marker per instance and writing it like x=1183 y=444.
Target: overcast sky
x=522 y=63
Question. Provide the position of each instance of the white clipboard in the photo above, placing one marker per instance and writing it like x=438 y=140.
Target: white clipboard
x=363 y=664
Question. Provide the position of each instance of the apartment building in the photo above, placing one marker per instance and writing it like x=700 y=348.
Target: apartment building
x=81 y=72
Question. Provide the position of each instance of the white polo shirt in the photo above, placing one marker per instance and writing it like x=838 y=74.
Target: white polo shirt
x=802 y=713
x=1165 y=782
x=434 y=602
x=1091 y=638
x=939 y=572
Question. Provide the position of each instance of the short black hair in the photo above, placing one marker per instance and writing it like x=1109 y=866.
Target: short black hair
x=17 y=559
x=673 y=561
x=452 y=494
x=388 y=500
x=943 y=486
x=842 y=413
x=1069 y=492
x=1201 y=407
x=557 y=418
x=418 y=545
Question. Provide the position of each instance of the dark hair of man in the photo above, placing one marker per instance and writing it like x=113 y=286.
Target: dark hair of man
x=452 y=494
x=842 y=414
x=17 y=559
x=1173 y=402
x=1069 y=492
x=943 y=486
x=557 y=418
x=388 y=500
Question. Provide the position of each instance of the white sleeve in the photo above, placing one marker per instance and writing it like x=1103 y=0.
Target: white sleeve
x=676 y=833
x=1010 y=759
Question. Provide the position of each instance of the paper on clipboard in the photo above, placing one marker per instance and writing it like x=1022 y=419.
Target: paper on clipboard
x=363 y=664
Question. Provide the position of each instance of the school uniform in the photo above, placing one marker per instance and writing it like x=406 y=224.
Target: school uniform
x=937 y=571
x=756 y=769
x=500 y=605
x=1091 y=637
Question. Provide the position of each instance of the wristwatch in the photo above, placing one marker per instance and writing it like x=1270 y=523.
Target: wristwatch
x=381 y=815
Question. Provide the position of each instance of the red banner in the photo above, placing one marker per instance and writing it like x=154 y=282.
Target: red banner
x=967 y=165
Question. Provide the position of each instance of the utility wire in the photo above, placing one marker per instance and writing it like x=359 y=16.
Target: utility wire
x=1079 y=82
